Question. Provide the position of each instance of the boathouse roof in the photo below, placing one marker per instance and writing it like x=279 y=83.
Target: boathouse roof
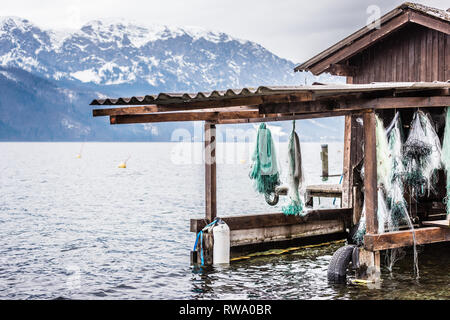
x=333 y=59
x=273 y=103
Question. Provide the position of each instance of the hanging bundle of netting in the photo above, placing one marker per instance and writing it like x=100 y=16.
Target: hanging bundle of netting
x=383 y=213
x=445 y=157
x=384 y=163
x=358 y=236
x=264 y=170
x=398 y=209
x=434 y=163
x=396 y=200
x=384 y=182
x=384 y=166
x=295 y=176
x=422 y=154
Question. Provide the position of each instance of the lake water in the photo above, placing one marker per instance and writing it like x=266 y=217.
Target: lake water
x=81 y=228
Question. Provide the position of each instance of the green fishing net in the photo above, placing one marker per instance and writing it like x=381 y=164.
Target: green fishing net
x=396 y=201
x=421 y=154
x=445 y=156
x=295 y=175
x=264 y=170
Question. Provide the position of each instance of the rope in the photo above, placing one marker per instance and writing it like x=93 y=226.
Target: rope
x=200 y=235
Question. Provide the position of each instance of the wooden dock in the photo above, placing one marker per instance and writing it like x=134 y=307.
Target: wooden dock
x=401 y=66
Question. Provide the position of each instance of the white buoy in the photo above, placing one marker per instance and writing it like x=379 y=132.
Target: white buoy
x=221 y=249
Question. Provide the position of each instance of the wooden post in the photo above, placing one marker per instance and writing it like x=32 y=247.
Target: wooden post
x=347 y=179
x=370 y=260
x=324 y=157
x=370 y=173
x=210 y=171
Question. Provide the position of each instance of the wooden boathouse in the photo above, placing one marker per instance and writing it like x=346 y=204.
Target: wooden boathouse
x=402 y=65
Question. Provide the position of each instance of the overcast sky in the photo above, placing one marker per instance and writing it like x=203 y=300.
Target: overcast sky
x=295 y=30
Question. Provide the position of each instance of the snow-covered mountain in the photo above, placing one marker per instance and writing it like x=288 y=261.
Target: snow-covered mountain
x=119 y=58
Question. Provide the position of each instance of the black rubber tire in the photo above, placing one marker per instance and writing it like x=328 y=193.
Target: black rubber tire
x=337 y=269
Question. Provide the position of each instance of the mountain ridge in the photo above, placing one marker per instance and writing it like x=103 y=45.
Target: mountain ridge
x=120 y=58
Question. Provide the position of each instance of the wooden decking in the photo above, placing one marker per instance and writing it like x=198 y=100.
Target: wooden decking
x=437 y=223
x=317 y=190
x=324 y=190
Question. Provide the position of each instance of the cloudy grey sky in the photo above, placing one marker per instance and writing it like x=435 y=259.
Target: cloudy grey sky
x=292 y=29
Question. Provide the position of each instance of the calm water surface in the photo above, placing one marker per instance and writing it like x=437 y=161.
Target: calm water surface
x=85 y=229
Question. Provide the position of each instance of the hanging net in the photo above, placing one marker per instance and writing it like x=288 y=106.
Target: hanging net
x=264 y=170
x=445 y=157
x=413 y=162
x=434 y=163
x=422 y=154
x=384 y=162
x=358 y=237
x=295 y=176
x=396 y=201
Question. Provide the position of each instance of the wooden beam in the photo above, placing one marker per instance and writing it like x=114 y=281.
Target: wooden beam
x=155 y=109
x=344 y=104
x=275 y=219
x=370 y=172
x=219 y=117
x=182 y=116
x=360 y=44
x=285 y=117
x=210 y=172
x=437 y=223
x=398 y=239
x=430 y=22
x=347 y=178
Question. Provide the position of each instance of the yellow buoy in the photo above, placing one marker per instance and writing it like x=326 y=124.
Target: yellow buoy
x=243 y=161
x=122 y=165
x=78 y=156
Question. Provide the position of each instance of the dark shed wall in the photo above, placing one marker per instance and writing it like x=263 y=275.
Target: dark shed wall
x=413 y=53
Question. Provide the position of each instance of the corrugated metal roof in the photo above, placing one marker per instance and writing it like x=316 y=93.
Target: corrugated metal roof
x=316 y=90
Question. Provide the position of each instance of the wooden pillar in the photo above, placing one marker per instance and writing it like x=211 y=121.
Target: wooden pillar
x=370 y=172
x=324 y=158
x=210 y=171
x=370 y=260
x=347 y=179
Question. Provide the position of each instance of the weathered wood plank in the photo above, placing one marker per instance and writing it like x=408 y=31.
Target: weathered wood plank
x=286 y=232
x=276 y=219
x=356 y=104
x=429 y=22
x=398 y=239
x=182 y=116
x=286 y=117
x=156 y=109
x=326 y=190
x=437 y=223
x=370 y=172
x=347 y=174
x=210 y=172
